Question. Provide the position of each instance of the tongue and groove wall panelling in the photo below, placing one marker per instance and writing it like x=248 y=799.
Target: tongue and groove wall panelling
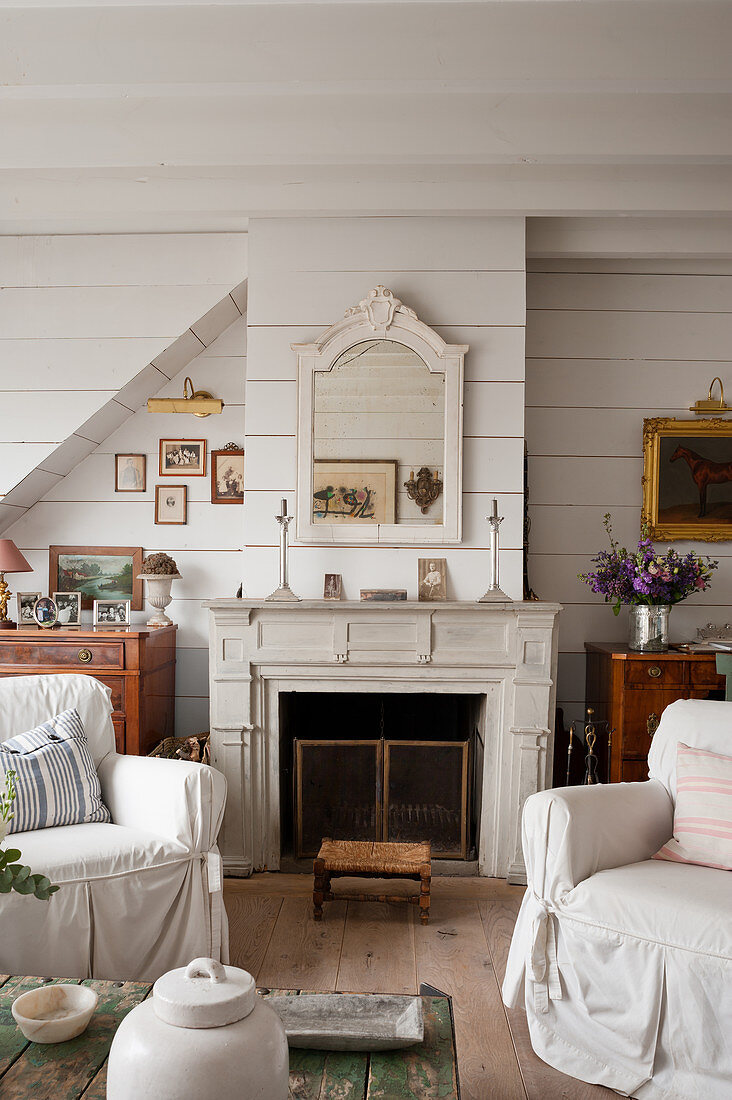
x=609 y=342
x=82 y=507
x=80 y=316
x=463 y=276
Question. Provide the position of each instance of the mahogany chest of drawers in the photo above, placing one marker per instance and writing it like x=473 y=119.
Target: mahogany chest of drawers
x=631 y=690
x=138 y=665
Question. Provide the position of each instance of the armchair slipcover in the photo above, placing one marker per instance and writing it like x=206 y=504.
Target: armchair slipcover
x=625 y=961
x=138 y=896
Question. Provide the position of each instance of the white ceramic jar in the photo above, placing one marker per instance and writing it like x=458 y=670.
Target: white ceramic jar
x=204 y=1033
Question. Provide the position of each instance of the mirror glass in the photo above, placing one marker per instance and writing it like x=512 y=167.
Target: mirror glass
x=379 y=422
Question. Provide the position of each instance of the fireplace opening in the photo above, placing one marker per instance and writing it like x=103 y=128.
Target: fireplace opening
x=380 y=766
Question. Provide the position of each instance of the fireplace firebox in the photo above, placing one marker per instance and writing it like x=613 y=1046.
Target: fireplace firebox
x=411 y=782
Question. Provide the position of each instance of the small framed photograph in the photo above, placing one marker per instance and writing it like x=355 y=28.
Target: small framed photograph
x=227 y=477
x=332 y=586
x=182 y=456
x=45 y=612
x=25 y=602
x=111 y=613
x=130 y=473
x=171 y=504
x=69 y=608
x=432 y=579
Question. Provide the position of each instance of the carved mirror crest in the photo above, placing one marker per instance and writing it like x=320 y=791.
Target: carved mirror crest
x=380 y=401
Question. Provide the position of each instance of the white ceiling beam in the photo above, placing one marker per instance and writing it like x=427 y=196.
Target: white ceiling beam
x=312 y=43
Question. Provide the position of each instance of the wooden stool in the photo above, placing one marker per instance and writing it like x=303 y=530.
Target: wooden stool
x=372 y=859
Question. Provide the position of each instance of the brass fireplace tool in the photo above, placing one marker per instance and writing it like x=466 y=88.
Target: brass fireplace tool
x=589 y=735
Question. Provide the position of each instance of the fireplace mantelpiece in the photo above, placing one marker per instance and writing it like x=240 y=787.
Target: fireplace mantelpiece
x=505 y=652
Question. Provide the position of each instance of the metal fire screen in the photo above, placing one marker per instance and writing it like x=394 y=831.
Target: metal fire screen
x=382 y=790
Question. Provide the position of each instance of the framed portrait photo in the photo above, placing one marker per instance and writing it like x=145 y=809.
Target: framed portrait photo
x=332 y=586
x=227 y=477
x=45 y=612
x=111 y=613
x=432 y=579
x=25 y=602
x=687 y=479
x=182 y=456
x=357 y=492
x=171 y=504
x=69 y=608
x=130 y=473
x=97 y=572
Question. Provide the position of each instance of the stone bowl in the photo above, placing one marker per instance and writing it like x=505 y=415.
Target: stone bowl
x=54 y=1013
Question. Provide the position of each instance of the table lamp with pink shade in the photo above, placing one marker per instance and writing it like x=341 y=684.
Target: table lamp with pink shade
x=11 y=561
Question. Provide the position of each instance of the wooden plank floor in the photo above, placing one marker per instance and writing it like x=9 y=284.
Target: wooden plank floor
x=370 y=947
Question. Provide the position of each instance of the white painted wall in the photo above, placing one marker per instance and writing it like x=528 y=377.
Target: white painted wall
x=465 y=277
x=83 y=509
x=81 y=316
x=608 y=343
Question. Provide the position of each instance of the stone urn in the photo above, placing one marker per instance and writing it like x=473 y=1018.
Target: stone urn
x=158 y=594
x=205 y=1034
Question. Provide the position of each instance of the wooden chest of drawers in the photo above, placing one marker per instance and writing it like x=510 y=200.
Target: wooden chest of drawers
x=138 y=665
x=631 y=690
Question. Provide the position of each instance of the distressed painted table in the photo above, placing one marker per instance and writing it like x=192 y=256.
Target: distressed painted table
x=67 y=1071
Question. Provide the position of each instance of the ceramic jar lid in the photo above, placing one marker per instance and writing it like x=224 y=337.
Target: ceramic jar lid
x=204 y=994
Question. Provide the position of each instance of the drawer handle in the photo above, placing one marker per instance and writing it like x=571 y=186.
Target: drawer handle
x=652 y=724
x=654 y=671
x=85 y=656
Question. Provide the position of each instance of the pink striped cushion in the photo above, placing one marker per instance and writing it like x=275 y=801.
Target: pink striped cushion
x=703 y=814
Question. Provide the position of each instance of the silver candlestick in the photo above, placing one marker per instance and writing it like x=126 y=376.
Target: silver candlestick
x=284 y=592
x=494 y=591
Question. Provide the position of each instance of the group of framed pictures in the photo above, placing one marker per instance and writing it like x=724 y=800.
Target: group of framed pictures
x=183 y=457
x=431 y=584
x=64 y=609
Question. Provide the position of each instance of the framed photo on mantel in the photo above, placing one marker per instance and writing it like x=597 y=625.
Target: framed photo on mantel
x=97 y=572
x=687 y=479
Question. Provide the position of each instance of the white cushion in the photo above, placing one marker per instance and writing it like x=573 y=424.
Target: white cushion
x=73 y=853
x=28 y=701
x=700 y=723
x=680 y=905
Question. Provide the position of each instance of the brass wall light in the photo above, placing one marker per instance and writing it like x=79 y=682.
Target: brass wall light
x=711 y=405
x=198 y=402
x=424 y=489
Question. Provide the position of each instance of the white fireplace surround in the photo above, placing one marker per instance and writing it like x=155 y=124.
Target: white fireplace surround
x=505 y=652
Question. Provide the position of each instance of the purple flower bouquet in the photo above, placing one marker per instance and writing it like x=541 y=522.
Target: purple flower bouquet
x=645 y=577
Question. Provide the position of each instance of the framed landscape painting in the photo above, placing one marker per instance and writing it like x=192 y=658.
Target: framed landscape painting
x=351 y=492
x=97 y=572
x=687 y=479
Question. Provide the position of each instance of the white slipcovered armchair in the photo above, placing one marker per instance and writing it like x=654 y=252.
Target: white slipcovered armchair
x=626 y=961
x=138 y=896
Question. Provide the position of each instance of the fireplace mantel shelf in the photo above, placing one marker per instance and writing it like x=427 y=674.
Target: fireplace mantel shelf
x=233 y=603
x=503 y=652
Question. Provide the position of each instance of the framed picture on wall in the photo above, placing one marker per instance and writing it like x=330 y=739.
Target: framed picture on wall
x=227 y=476
x=97 y=572
x=182 y=456
x=687 y=479
x=351 y=492
x=171 y=503
x=130 y=473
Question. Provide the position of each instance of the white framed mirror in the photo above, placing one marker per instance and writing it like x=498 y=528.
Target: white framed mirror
x=380 y=430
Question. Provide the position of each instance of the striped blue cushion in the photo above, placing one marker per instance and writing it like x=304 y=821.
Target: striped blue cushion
x=56 y=782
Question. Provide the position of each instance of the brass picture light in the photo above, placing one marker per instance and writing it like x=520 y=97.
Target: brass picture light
x=198 y=402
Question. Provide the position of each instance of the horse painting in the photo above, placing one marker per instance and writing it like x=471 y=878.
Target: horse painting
x=704 y=472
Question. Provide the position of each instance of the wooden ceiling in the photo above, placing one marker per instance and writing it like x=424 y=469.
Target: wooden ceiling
x=180 y=116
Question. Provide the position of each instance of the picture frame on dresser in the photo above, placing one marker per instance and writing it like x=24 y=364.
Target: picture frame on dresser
x=97 y=572
x=25 y=602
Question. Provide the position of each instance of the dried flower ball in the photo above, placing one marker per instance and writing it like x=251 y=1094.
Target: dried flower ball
x=159 y=564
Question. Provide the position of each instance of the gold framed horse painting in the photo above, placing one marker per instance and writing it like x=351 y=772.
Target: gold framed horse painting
x=687 y=479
